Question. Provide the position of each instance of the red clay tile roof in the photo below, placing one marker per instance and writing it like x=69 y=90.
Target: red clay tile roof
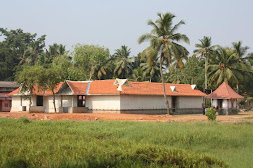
x=224 y=91
x=78 y=87
x=142 y=88
x=38 y=91
x=100 y=87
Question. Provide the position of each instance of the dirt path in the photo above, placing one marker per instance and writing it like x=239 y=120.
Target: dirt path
x=241 y=117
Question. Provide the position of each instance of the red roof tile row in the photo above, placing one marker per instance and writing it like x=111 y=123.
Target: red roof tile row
x=142 y=88
x=101 y=87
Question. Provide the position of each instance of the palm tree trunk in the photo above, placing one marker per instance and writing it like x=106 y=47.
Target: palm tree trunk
x=54 y=101
x=237 y=88
x=164 y=89
x=206 y=62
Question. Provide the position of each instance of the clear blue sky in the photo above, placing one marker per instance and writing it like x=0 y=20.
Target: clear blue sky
x=112 y=23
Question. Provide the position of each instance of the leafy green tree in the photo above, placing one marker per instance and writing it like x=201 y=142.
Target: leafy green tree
x=87 y=56
x=14 y=50
x=52 y=78
x=68 y=70
x=163 y=43
x=28 y=78
x=124 y=65
x=205 y=50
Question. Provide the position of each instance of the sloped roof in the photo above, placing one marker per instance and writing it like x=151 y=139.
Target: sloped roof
x=142 y=88
x=9 y=84
x=38 y=91
x=224 y=91
x=78 y=87
x=107 y=87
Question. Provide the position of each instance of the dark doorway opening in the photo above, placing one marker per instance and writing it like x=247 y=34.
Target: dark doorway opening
x=39 y=101
x=219 y=103
x=174 y=103
x=80 y=101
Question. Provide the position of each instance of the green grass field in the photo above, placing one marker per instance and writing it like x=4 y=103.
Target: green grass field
x=30 y=143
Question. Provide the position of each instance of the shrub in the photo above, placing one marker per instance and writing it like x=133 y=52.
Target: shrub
x=211 y=114
x=24 y=120
x=16 y=163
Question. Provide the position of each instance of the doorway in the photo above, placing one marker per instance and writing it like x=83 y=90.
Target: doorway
x=219 y=103
x=80 y=101
x=174 y=103
x=39 y=101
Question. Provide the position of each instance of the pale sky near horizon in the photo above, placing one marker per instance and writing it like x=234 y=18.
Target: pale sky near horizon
x=113 y=23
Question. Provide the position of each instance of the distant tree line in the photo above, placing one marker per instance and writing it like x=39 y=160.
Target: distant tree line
x=22 y=53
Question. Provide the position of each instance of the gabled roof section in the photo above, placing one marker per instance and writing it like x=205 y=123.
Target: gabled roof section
x=120 y=83
x=99 y=87
x=224 y=91
x=78 y=87
x=37 y=91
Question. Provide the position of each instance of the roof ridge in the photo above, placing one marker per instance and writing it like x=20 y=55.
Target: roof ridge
x=226 y=86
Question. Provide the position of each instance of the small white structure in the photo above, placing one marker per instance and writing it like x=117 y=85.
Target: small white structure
x=117 y=96
x=224 y=98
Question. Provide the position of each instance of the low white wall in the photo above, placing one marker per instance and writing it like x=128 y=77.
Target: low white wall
x=103 y=102
x=189 y=102
x=133 y=102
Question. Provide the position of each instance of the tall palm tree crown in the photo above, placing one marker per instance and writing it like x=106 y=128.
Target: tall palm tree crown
x=205 y=50
x=225 y=67
x=123 y=62
x=163 y=40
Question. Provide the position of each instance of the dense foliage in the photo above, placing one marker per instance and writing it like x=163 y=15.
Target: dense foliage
x=208 y=67
x=124 y=144
x=211 y=114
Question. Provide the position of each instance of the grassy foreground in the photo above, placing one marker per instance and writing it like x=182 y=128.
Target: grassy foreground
x=29 y=143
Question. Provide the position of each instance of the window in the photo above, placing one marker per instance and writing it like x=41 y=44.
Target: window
x=39 y=100
x=6 y=105
x=80 y=101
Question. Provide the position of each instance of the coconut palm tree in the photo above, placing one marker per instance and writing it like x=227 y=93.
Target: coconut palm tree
x=240 y=53
x=205 y=50
x=138 y=74
x=225 y=67
x=151 y=71
x=163 y=40
x=99 y=70
x=123 y=62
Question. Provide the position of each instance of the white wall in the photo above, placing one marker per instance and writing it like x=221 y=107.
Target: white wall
x=214 y=103
x=48 y=103
x=190 y=101
x=16 y=103
x=225 y=103
x=132 y=102
x=105 y=102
